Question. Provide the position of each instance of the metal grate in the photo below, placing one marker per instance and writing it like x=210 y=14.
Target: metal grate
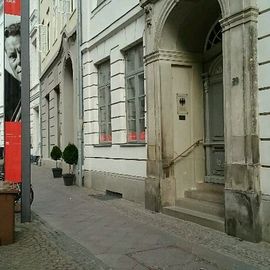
x=109 y=195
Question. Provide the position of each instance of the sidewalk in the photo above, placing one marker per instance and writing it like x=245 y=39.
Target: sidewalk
x=39 y=247
x=111 y=233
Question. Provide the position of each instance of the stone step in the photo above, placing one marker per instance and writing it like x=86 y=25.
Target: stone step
x=210 y=187
x=205 y=195
x=215 y=209
x=203 y=219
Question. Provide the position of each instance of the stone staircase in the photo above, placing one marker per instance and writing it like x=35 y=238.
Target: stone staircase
x=204 y=205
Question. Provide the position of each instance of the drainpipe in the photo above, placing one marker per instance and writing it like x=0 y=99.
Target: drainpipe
x=80 y=95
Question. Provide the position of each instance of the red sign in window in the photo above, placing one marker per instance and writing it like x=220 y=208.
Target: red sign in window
x=105 y=137
x=12 y=7
x=132 y=136
x=13 y=157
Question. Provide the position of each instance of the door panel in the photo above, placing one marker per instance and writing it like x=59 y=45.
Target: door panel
x=214 y=146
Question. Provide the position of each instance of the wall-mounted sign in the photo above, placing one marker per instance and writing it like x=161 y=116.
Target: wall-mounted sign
x=182 y=104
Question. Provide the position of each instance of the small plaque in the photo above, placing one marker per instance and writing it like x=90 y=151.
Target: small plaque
x=182 y=103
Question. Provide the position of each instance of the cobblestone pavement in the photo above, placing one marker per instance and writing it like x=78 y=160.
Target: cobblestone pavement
x=124 y=235
x=78 y=228
x=39 y=247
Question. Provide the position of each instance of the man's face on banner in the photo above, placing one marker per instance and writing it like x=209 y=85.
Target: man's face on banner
x=13 y=51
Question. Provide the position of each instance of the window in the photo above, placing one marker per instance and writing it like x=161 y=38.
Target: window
x=48 y=37
x=214 y=36
x=43 y=38
x=47 y=121
x=54 y=28
x=104 y=103
x=57 y=113
x=69 y=6
x=135 y=96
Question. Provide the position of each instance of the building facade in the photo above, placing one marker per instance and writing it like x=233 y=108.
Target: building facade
x=58 y=75
x=114 y=97
x=171 y=107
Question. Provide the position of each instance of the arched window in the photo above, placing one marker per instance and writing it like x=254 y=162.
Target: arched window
x=214 y=36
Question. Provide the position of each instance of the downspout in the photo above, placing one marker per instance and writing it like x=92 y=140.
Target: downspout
x=80 y=95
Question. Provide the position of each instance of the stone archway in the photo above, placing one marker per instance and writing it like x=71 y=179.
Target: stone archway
x=169 y=32
x=182 y=54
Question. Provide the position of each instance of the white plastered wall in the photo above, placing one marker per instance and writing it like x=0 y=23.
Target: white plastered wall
x=34 y=80
x=116 y=158
x=264 y=92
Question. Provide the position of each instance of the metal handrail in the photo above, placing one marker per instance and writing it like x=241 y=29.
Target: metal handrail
x=194 y=145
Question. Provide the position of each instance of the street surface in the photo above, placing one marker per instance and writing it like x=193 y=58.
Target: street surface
x=77 y=228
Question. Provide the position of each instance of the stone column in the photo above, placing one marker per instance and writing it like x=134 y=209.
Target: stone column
x=154 y=162
x=153 y=93
x=242 y=187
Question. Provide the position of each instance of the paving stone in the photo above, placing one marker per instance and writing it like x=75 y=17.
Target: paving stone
x=163 y=258
x=72 y=230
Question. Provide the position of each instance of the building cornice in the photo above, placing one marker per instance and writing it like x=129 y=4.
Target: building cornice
x=108 y=32
x=239 y=18
x=173 y=57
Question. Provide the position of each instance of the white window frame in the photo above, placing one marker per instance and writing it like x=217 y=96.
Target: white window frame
x=48 y=37
x=137 y=134
x=104 y=103
x=42 y=38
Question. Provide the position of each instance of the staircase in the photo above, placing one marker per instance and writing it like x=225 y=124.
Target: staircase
x=204 y=205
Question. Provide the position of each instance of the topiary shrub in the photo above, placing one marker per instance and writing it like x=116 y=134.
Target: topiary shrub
x=70 y=156
x=56 y=154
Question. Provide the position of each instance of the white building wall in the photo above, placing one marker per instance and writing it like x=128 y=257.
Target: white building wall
x=34 y=78
x=60 y=20
x=264 y=92
x=58 y=44
x=114 y=26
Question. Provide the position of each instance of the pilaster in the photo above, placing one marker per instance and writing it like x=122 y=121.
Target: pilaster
x=154 y=153
x=242 y=187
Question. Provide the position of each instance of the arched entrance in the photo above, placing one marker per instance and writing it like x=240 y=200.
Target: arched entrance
x=192 y=117
x=69 y=105
x=184 y=134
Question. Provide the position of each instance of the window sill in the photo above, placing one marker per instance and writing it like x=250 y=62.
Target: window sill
x=102 y=145
x=133 y=144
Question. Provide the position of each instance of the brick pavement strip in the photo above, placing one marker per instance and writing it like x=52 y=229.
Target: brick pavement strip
x=40 y=247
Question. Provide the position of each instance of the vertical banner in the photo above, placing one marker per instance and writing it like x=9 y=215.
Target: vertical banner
x=12 y=91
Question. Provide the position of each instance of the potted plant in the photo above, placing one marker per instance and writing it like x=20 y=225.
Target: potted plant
x=70 y=156
x=56 y=155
